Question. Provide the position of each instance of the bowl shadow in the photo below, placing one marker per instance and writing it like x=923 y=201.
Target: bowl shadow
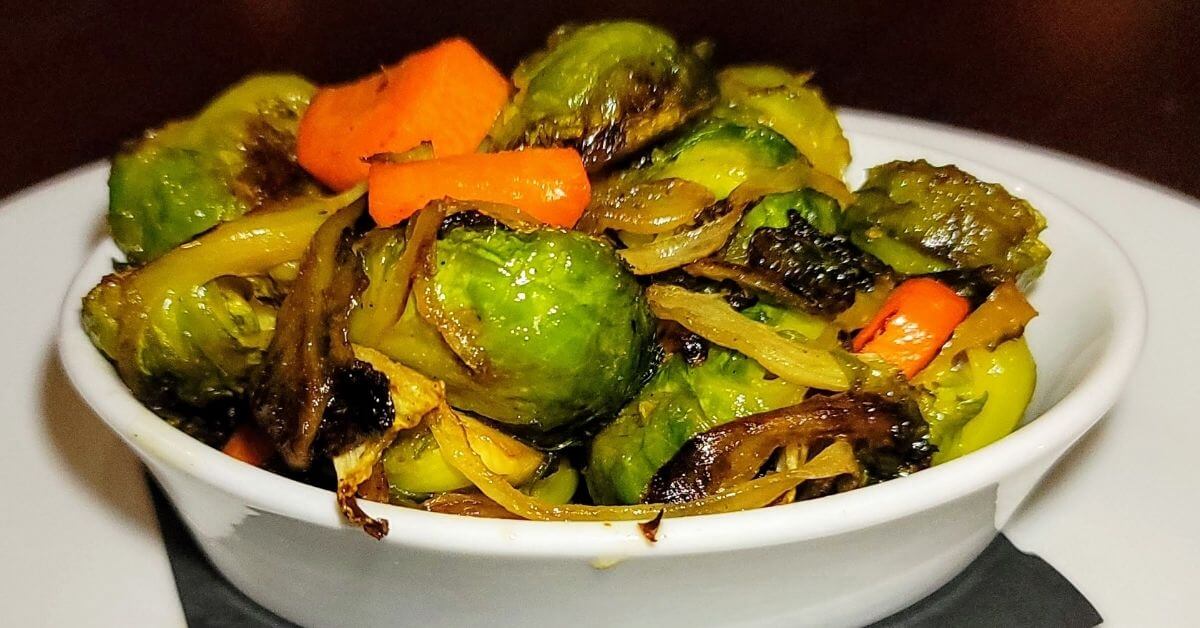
x=95 y=458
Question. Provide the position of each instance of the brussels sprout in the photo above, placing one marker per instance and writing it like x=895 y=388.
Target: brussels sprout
x=236 y=155
x=772 y=211
x=191 y=326
x=718 y=155
x=200 y=346
x=786 y=103
x=921 y=219
x=607 y=89
x=562 y=329
x=979 y=400
x=678 y=403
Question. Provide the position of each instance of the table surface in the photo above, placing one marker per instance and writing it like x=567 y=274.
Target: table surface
x=1115 y=81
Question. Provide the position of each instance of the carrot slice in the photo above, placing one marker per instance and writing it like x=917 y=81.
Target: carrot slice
x=550 y=184
x=448 y=94
x=914 y=322
x=250 y=445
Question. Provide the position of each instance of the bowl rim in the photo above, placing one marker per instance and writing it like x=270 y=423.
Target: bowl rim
x=157 y=443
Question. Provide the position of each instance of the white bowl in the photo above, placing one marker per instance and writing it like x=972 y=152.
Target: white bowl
x=840 y=560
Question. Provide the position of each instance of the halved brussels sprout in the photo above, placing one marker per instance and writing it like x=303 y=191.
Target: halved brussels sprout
x=236 y=155
x=979 y=400
x=718 y=155
x=678 y=403
x=787 y=103
x=557 y=328
x=607 y=89
x=920 y=218
x=773 y=210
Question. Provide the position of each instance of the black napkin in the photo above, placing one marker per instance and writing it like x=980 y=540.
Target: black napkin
x=1003 y=587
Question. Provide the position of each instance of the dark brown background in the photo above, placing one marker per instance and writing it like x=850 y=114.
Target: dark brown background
x=1117 y=81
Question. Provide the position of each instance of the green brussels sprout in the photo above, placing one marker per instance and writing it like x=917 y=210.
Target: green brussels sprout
x=719 y=155
x=607 y=89
x=562 y=327
x=787 y=103
x=920 y=219
x=978 y=400
x=190 y=327
x=197 y=347
x=679 y=402
x=773 y=210
x=183 y=179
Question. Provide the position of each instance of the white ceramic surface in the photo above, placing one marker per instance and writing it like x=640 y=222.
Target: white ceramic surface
x=1115 y=516
x=841 y=560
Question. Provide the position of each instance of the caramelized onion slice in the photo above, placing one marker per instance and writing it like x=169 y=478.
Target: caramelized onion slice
x=447 y=428
x=711 y=317
x=748 y=278
x=647 y=208
x=383 y=306
x=736 y=451
x=673 y=251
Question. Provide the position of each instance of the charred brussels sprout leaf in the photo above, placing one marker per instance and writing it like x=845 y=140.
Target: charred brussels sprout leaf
x=678 y=403
x=788 y=104
x=825 y=270
x=313 y=393
x=606 y=89
x=920 y=218
x=236 y=155
x=557 y=330
x=774 y=210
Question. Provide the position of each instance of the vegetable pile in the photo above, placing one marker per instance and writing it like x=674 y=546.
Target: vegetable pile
x=621 y=284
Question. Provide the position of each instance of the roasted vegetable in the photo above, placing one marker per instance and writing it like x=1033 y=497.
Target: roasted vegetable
x=184 y=329
x=774 y=211
x=736 y=451
x=911 y=326
x=545 y=328
x=678 y=403
x=414 y=464
x=834 y=460
x=606 y=89
x=791 y=106
x=826 y=271
x=312 y=386
x=198 y=347
x=238 y=154
x=921 y=219
x=718 y=155
x=979 y=400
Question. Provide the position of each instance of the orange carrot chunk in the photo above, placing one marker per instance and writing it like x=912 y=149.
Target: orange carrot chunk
x=250 y=445
x=447 y=94
x=550 y=184
x=917 y=318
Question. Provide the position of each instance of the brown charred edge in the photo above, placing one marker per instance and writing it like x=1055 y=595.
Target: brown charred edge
x=705 y=463
x=751 y=280
x=272 y=172
x=377 y=528
x=294 y=386
x=375 y=488
x=650 y=528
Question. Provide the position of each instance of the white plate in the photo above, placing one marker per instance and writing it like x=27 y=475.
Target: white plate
x=80 y=546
